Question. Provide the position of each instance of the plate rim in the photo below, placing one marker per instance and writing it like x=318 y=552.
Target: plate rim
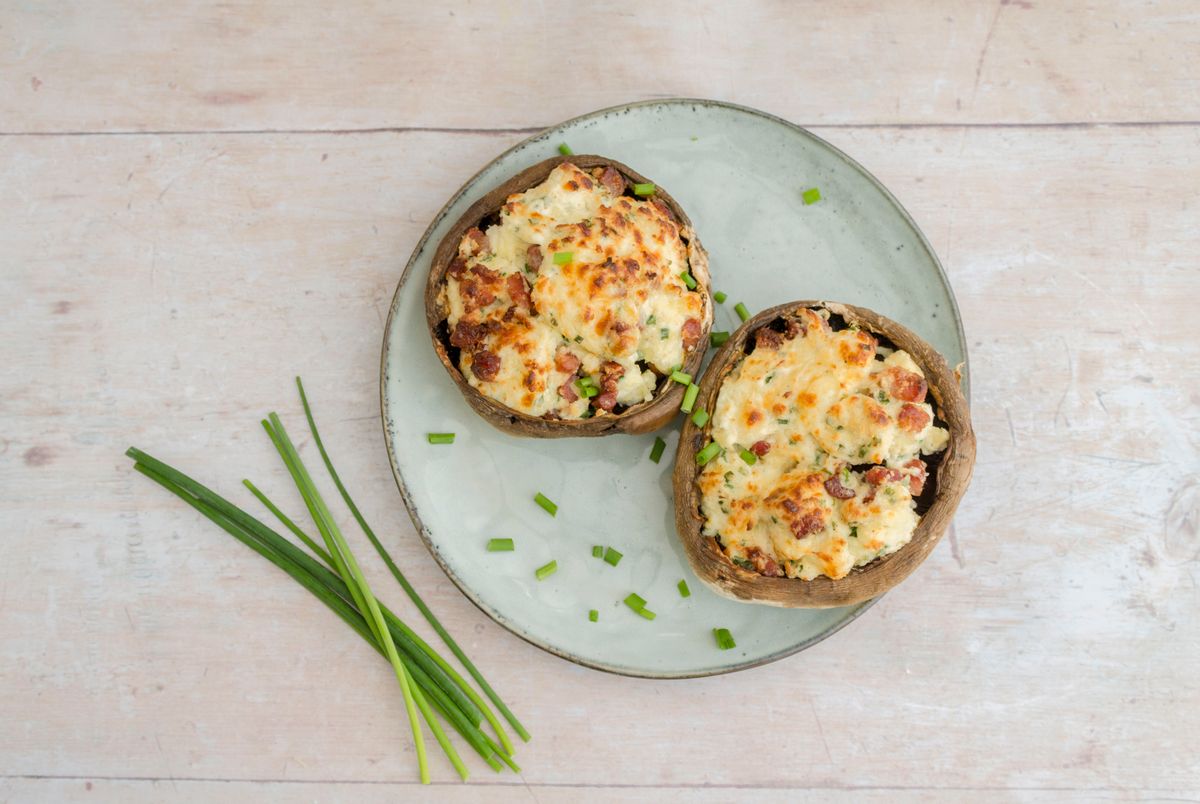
x=855 y=611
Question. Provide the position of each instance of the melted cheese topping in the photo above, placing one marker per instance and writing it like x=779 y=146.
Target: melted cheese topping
x=573 y=279
x=818 y=406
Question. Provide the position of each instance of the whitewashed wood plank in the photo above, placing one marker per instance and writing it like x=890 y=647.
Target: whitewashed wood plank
x=163 y=290
x=111 y=66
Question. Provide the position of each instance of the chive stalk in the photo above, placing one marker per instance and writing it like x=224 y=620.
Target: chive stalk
x=742 y=312
x=688 y=280
x=441 y=438
x=656 y=452
x=612 y=557
x=546 y=570
x=547 y=505
x=565 y=149
x=708 y=453
x=718 y=338
x=681 y=377
x=644 y=189
x=719 y=297
x=689 y=398
x=500 y=546
x=700 y=417
x=563 y=257
x=683 y=589
x=416 y=599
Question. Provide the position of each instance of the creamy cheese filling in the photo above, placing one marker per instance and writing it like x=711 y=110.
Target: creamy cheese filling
x=577 y=290
x=835 y=435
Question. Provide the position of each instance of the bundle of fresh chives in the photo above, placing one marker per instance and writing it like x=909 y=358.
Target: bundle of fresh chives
x=427 y=681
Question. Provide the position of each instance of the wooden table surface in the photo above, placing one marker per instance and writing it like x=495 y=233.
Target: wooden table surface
x=198 y=201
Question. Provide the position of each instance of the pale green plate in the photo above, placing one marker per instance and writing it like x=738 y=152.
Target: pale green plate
x=739 y=173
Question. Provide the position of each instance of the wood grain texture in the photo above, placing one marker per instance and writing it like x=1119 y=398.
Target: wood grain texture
x=163 y=289
x=286 y=65
x=949 y=471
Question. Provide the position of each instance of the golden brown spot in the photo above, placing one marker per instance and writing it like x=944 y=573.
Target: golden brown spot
x=806 y=398
x=753 y=417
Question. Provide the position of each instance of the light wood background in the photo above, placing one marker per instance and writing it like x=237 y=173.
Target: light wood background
x=198 y=201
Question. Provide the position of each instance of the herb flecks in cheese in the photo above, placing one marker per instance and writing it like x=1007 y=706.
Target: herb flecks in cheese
x=576 y=281
x=838 y=433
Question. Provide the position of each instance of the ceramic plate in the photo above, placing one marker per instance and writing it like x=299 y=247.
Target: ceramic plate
x=740 y=174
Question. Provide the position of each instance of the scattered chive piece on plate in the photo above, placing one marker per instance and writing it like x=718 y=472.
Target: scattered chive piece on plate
x=656 y=452
x=441 y=438
x=597 y=552
x=612 y=557
x=546 y=570
x=500 y=546
x=681 y=377
x=643 y=189
x=738 y=308
x=544 y=501
x=565 y=149
x=688 y=280
x=593 y=615
x=812 y=195
x=635 y=601
x=724 y=638
x=719 y=297
x=683 y=589
x=708 y=453
x=700 y=417
x=649 y=615
x=749 y=457
x=718 y=338
x=563 y=257
x=689 y=398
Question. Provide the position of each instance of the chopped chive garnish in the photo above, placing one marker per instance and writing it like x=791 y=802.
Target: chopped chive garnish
x=738 y=308
x=565 y=149
x=683 y=589
x=656 y=452
x=587 y=387
x=812 y=195
x=689 y=398
x=649 y=615
x=546 y=570
x=593 y=615
x=719 y=297
x=708 y=453
x=718 y=338
x=612 y=557
x=724 y=638
x=681 y=377
x=643 y=189
x=700 y=417
x=544 y=501
x=441 y=438
x=749 y=457
x=597 y=551
x=688 y=280
x=563 y=257
x=635 y=601
x=500 y=545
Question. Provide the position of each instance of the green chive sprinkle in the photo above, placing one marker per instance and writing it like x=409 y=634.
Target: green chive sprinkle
x=643 y=189
x=649 y=615
x=565 y=149
x=688 y=280
x=708 y=453
x=718 y=338
x=441 y=438
x=683 y=589
x=749 y=457
x=724 y=638
x=597 y=551
x=656 y=452
x=593 y=615
x=544 y=501
x=563 y=257
x=587 y=387
x=812 y=196
x=738 y=308
x=545 y=571
x=681 y=377
x=612 y=557
x=719 y=297
x=689 y=398
x=700 y=417
x=500 y=546
x=635 y=601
